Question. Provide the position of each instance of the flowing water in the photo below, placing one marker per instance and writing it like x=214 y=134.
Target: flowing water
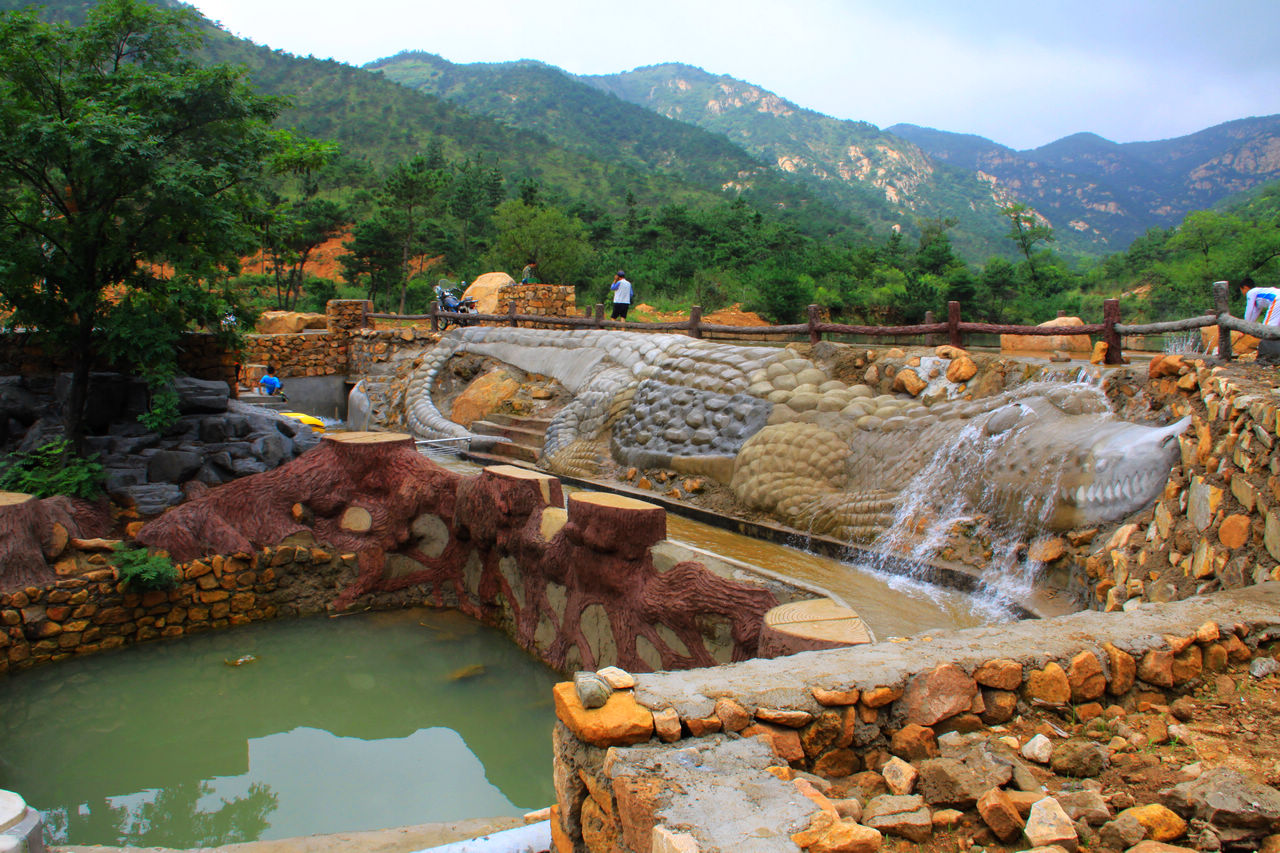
x=891 y=606
x=1012 y=518
x=361 y=722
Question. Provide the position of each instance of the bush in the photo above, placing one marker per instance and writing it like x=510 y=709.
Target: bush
x=141 y=569
x=52 y=469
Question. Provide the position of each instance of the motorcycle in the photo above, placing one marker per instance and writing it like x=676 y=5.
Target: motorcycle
x=451 y=302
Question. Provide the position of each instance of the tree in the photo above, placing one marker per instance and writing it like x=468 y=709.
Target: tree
x=373 y=258
x=123 y=162
x=411 y=195
x=557 y=242
x=475 y=191
x=297 y=229
x=1026 y=231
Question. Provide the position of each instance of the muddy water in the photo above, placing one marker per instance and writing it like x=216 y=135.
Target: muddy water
x=893 y=607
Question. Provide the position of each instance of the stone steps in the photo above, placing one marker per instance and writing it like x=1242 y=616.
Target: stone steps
x=522 y=444
x=539 y=424
x=265 y=401
x=529 y=436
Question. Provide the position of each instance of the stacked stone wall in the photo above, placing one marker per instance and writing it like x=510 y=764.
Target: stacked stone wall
x=200 y=354
x=301 y=354
x=545 y=300
x=837 y=713
x=1217 y=524
x=371 y=347
x=90 y=609
x=312 y=353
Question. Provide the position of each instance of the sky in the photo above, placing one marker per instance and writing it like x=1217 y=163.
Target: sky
x=1020 y=72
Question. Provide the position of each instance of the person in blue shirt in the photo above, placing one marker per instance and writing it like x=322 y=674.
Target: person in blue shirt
x=271 y=384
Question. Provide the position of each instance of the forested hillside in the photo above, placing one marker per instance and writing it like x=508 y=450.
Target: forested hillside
x=709 y=191
x=853 y=163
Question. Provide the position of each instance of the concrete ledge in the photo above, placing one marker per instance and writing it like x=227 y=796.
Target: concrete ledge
x=787 y=682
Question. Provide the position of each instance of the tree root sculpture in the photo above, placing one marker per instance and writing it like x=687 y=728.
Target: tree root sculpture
x=35 y=532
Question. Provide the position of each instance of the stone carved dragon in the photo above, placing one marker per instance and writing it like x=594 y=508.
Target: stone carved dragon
x=811 y=450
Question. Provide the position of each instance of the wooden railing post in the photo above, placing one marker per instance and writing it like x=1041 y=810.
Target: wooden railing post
x=814 y=318
x=930 y=340
x=695 y=321
x=953 y=325
x=435 y=316
x=599 y=315
x=511 y=314
x=1110 y=317
x=1222 y=305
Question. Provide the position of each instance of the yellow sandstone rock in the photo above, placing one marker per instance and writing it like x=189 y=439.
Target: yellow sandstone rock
x=621 y=721
x=1161 y=823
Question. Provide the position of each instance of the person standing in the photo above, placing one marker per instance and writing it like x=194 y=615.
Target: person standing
x=529 y=275
x=621 y=296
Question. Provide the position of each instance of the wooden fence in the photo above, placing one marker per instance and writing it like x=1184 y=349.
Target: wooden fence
x=1110 y=329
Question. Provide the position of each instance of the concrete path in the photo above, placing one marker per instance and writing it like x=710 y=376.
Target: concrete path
x=405 y=839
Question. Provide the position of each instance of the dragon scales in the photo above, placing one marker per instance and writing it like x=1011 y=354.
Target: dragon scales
x=819 y=454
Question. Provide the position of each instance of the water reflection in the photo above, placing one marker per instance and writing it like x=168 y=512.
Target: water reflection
x=337 y=725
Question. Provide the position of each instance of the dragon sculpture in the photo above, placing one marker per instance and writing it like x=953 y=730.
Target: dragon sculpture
x=817 y=453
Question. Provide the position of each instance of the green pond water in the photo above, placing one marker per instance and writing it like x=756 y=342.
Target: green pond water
x=361 y=722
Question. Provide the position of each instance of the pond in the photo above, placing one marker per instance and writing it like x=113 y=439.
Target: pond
x=367 y=721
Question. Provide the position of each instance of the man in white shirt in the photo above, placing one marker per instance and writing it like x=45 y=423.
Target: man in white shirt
x=1261 y=304
x=621 y=296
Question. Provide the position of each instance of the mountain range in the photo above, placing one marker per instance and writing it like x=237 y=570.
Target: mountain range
x=1098 y=195
x=674 y=133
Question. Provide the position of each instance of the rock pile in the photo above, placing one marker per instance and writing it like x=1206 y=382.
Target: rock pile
x=215 y=439
x=1119 y=781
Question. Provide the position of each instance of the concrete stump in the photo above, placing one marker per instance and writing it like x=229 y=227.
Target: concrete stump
x=803 y=626
x=21 y=828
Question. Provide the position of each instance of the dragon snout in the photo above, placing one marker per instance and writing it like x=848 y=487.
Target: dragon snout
x=1122 y=472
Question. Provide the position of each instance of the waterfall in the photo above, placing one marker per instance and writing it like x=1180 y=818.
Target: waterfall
x=944 y=497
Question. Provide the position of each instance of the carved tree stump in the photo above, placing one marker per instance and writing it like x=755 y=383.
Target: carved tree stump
x=613 y=523
x=28 y=539
x=817 y=623
x=360 y=490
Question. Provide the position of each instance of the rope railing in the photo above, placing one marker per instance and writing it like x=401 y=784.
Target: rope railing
x=1111 y=329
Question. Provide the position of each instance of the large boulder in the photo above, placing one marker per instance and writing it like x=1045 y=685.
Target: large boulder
x=201 y=395
x=1227 y=798
x=485 y=394
x=485 y=289
x=1049 y=343
x=288 y=322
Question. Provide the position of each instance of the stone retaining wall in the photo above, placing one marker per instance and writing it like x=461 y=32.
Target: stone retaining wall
x=200 y=355
x=1217 y=525
x=544 y=300
x=837 y=712
x=594 y=584
x=350 y=346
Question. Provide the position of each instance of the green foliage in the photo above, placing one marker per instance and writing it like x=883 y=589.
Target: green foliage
x=555 y=240
x=52 y=469
x=141 y=569
x=124 y=160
